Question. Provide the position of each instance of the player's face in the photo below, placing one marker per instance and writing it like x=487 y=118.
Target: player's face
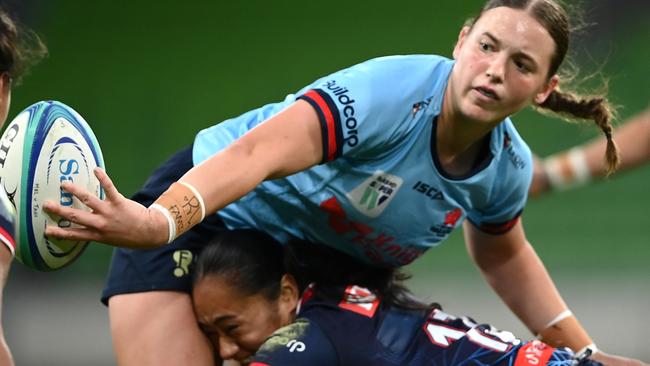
x=237 y=324
x=5 y=97
x=502 y=66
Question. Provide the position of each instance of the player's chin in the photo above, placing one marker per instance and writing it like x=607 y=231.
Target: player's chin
x=482 y=114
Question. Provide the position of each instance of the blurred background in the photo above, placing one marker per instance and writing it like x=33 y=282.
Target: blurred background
x=147 y=75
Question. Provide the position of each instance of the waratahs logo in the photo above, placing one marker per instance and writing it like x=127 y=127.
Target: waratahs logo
x=451 y=219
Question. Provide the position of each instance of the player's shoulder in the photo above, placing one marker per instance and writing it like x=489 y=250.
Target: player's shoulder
x=514 y=151
x=407 y=60
x=283 y=336
x=301 y=342
x=514 y=166
x=406 y=66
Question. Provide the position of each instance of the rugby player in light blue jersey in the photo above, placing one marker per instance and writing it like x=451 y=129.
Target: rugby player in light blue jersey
x=381 y=160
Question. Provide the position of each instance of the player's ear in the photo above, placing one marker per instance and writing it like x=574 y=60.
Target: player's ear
x=461 y=40
x=546 y=90
x=289 y=295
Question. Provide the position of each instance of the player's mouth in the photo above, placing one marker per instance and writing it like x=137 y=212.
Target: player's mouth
x=486 y=93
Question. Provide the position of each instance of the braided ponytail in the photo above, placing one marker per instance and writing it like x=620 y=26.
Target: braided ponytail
x=596 y=109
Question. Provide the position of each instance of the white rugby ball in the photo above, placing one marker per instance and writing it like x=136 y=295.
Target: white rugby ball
x=45 y=145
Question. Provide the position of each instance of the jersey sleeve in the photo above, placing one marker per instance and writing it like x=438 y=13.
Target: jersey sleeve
x=7 y=223
x=510 y=189
x=366 y=110
x=300 y=343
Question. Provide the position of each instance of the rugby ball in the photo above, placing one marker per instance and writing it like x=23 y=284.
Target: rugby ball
x=47 y=144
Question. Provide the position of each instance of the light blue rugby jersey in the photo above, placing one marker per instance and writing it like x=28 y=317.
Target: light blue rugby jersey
x=379 y=193
x=7 y=222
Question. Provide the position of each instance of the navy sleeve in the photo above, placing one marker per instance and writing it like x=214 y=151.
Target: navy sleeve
x=301 y=343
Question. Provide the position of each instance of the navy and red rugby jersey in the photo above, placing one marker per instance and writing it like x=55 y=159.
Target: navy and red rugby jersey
x=361 y=330
x=7 y=222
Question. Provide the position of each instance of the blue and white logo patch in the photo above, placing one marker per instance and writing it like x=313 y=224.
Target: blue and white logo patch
x=373 y=195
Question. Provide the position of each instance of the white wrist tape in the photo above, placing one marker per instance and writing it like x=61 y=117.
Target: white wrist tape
x=182 y=206
x=198 y=197
x=579 y=165
x=567 y=171
x=586 y=351
x=171 y=223
x=561 y=316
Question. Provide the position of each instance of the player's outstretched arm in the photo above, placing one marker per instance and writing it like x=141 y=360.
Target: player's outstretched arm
x=286 y=143
x=607 y=360
x=512 y=268
x=582 y=163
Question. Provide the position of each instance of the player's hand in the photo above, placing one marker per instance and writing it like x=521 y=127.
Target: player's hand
x=611 y=360
x=116 y=220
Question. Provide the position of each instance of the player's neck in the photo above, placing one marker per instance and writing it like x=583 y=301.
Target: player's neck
x=458 y=139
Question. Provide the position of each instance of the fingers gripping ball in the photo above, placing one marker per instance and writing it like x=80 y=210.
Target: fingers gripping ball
x=45 y=145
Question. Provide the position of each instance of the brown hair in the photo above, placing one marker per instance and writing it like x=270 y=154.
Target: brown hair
x=552 y=16
x=20 y=47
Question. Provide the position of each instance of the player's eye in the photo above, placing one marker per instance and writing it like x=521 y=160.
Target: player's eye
x=485 y=46
x=230 y=329
x=523 y=66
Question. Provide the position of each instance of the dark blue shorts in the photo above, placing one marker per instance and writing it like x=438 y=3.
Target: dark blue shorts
x=169 y=267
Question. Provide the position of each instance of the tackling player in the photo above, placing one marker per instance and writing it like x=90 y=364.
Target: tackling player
x=342 y=312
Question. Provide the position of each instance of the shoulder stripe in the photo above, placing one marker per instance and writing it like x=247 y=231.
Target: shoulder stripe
x=498 y=228
x=7 y=239
x=330 y=120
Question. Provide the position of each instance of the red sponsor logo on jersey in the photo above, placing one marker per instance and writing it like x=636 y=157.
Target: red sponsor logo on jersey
x=373 y=242
x=535 y=353
x=360 y=300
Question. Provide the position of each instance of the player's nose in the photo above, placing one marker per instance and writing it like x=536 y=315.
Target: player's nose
x=227 y=348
